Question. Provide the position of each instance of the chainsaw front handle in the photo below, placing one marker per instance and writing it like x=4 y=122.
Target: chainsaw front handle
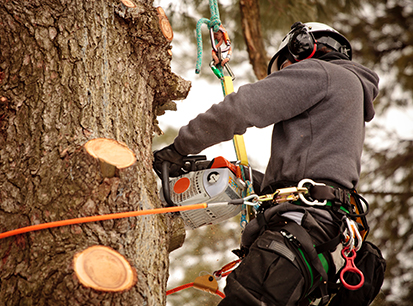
x=165 y=183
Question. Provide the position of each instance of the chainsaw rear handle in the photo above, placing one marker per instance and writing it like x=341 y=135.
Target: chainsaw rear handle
x=190 y=162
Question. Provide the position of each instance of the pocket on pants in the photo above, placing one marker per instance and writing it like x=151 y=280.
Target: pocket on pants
x=283 y=282
x=270 y=271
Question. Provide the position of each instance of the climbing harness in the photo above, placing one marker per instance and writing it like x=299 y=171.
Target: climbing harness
x=350 y=237
x=351 y=240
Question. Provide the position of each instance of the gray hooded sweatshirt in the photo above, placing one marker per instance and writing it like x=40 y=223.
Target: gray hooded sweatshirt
x=318 y=109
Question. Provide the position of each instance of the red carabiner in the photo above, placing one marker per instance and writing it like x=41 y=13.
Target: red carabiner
x=350 y=268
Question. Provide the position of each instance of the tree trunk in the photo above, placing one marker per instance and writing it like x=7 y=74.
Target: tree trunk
x=72 y=71
x=251 y=29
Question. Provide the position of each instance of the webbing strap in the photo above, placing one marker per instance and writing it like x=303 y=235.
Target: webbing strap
x=306 y=242
x=238 y=140
x=348 y=201
x=329 y=245
x=336 y=195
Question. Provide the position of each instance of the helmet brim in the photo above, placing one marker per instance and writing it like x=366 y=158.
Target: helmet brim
x=277 y=60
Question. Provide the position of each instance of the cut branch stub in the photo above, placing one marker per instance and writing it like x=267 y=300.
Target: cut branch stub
x=102 y=268
x=111 y=153
x=164 y=24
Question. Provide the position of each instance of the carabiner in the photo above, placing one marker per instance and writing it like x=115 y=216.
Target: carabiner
x=231 y=74
x=215 y=70
x=350 y=267
x=352 y=235
x=226 y=270
x=226 y=40
x=266 y=197
x=251 y=200
x=302 y=198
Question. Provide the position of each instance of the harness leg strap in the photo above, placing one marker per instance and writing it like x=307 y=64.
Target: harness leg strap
x=306 y=242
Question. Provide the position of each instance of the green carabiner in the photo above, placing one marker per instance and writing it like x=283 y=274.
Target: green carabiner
x=216 y=71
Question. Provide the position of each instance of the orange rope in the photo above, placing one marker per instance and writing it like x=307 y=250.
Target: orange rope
x=154 y=211
x=189 y=285
x=221 y=294
x=182 y=287
x=227 y=269
x=223 y=272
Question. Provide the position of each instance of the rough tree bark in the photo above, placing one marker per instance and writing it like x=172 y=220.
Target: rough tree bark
x=251 y=29
x=71 y=71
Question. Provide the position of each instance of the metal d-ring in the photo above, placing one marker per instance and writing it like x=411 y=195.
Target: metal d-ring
x=301 y=195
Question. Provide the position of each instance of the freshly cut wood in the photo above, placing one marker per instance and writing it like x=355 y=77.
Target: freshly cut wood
x=111 y=152
x=164 y=24
x=128 y=3
x=102 y=268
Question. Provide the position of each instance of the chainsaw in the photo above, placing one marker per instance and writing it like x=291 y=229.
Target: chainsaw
x=217 y=180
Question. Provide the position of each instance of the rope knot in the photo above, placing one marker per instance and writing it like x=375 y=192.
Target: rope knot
x=215 y=23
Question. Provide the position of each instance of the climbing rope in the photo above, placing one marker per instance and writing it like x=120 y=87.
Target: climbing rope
x=208 y=282
x=213 y=24
x=194 y=285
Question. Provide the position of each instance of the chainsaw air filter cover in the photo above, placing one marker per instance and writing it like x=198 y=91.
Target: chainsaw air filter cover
x=207 y=186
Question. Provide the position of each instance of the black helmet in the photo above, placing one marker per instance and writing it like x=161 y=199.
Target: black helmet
x=301 y=43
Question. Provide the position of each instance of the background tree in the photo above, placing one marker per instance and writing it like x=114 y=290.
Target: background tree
x=71 y=71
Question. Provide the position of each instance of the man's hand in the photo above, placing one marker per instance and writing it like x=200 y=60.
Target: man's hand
x=172 y=156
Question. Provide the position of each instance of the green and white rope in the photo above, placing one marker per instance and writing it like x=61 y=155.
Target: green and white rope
x=213 y=23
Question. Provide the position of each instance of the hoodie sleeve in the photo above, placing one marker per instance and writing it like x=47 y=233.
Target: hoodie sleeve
x=281 y=96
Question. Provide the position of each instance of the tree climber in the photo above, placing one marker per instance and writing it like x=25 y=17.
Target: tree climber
x=318 y=101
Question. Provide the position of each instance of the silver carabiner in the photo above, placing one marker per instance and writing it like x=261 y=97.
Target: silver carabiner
x=214 y=47
x=354 y=235
x=301 y=195
x=231 y=74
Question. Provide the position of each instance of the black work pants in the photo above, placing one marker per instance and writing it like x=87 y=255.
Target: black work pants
x=273 y=273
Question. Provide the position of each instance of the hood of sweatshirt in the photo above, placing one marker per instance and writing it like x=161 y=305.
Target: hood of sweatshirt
x=368 y=78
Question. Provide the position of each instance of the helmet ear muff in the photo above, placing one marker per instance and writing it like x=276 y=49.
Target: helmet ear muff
x=302 y=44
